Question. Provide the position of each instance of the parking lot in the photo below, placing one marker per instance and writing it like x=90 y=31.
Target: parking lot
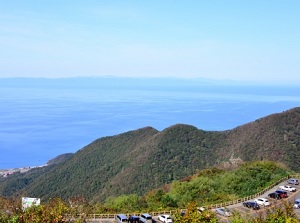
x=246 y=212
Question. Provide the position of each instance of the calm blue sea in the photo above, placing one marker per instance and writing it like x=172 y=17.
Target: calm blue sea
x=38 y=124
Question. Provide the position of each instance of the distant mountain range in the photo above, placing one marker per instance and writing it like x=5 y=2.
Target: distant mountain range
x=144 y=159
x=144 y=83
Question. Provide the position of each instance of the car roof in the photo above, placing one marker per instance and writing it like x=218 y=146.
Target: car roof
x=298 y=200
x=251 y=202
x=123 y=216
x=146 y=215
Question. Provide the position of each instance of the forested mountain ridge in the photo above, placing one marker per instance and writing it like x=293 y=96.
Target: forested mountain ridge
x=140 y=160
x=275 y=137
x=59 y=158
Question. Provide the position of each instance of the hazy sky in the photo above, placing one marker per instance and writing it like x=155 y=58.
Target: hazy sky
x=248 y=40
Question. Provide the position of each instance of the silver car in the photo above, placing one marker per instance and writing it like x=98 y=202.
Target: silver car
x=297 y=203
x=223 y=211
x=293 y=181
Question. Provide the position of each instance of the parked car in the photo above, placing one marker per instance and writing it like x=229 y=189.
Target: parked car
x=200 y=209
x=293 y=181
x=133 y=219
x=251 y=204
x=274 y=195
x=120 y=218
x=297 y=203
x=282 y=193
x=146 y=218
x=262 y=201
x=287 y=188
x=165 y=218
x=223 y=211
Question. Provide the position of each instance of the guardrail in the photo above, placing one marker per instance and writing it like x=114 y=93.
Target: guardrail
x=170 y=212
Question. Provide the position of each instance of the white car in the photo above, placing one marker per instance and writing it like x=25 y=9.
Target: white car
x=165 y=218
x=288 y=188
x=201 y=209
x=262 y=201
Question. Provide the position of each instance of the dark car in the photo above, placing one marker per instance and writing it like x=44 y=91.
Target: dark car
x=274 y=195
x=282 y=193
x=251 y=204
x=133 y=219
x=146 y=218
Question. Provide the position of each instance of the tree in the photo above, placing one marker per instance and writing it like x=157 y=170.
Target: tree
x=193 y=215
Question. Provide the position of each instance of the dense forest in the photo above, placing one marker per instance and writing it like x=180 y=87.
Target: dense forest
x=209 y=186
x=138 y=161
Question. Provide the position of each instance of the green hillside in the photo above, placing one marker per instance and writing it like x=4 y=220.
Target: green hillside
x=140 y=160
x=209 y=187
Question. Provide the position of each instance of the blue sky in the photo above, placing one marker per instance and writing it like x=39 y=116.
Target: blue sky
x=249 y=40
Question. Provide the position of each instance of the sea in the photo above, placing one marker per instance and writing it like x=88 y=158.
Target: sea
x=40 y=122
